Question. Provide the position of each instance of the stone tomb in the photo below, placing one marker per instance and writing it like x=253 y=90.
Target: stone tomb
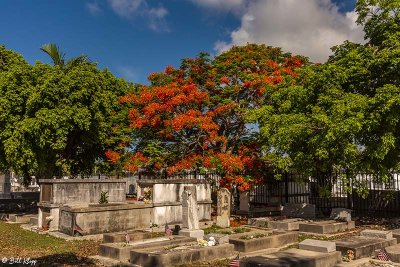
x=190 y=217
x=326 y=227
x=259 y=240
x=294 y=258
x=121 y=250
x=176 y=255
x=394 y=252
x=365 y=245
x=280 y=223
x=55 y=194
x=311 y=253
x=134 y=235
x=396 y=234
x=223 y=207
x=318 y=245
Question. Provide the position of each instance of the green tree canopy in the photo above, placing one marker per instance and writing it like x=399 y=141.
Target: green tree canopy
x=56 y=122
x=343 y=114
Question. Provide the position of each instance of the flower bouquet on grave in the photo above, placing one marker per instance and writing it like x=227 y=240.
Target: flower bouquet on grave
x=349 y=256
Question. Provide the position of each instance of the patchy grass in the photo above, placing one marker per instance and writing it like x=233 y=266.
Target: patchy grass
x=212 y=229
x=47 y=250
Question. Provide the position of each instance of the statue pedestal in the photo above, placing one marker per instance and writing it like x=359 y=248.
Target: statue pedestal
x=198 y=234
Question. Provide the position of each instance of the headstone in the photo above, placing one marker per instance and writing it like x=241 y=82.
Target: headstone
x=341 y=214
x=223 y=207
x=301 y=210
x=244 y=201
x=318 y=245
x=377 y=234
x=190 y=218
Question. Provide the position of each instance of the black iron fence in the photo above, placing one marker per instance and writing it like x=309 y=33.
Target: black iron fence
x=211 y=177
x=365 y=194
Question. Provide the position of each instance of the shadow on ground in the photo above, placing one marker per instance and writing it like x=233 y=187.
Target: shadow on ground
x=64 y=259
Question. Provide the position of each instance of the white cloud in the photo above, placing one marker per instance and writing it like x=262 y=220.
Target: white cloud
x=93 y=8
x=125 y=8
x=220 y=4
x=306 y=27
x=156 y=18
x=132 y=9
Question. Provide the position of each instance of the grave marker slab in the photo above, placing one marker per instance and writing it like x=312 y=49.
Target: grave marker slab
x=294 y=258
x=223 y=207
x=318 y=245
x=377 y=234
x=362 y=246
x=326 y=227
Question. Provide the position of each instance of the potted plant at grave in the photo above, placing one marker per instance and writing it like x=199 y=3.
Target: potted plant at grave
x=103 y=197
x=148 y=194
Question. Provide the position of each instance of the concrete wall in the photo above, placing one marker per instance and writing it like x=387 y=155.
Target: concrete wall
x=170 y=191
x=172 y=213
x=167 y=199
x=104 y=219
x=84 y=191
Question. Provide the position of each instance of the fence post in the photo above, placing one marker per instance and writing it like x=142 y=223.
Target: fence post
x=349 y=193
x=286 y=178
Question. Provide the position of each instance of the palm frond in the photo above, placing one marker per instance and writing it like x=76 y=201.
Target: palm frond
x=54 y=52
x=82 y=59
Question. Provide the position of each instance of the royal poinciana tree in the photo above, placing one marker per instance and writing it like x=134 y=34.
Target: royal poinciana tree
x=195 y=116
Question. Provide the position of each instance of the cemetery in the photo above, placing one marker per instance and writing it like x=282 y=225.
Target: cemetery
x=136 y=232
x=243 y=155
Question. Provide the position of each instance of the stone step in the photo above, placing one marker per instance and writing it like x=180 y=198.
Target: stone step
x=294 y=258
x=363 y=246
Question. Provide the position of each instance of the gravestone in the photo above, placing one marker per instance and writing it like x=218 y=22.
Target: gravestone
x=244 y=201
x=223 y=207
x=300 y=210
x=189 y=208
x=190 y=218
x=341 y=214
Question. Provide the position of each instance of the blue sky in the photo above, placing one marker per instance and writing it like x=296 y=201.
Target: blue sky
x=133 y=38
